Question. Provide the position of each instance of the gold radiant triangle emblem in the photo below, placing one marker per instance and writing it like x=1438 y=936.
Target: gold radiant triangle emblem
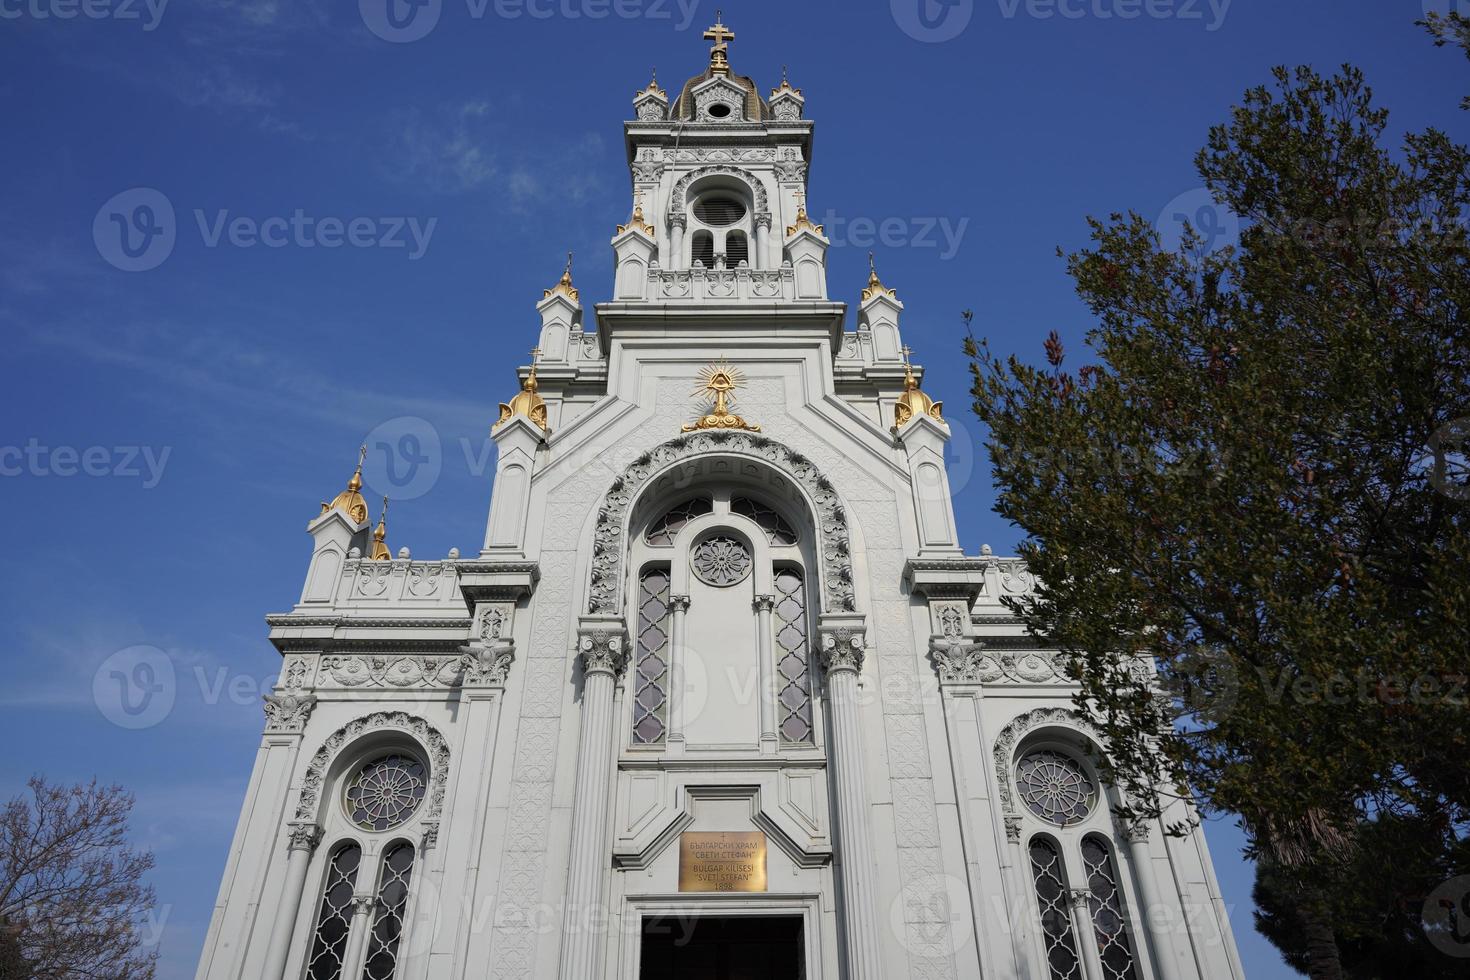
x=717 y=384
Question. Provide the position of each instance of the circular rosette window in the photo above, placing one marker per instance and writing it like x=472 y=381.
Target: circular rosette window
x=1055 y=787
x=721 y=561
x=385 y=792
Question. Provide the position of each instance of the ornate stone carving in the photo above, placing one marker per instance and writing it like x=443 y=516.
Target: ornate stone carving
x=426 y=734
x=610 y=536
x=1004 y=752
x=424 y=578
x=721 y=561
x=842 y=649
x=679 y=201
x=303 y=835
x=786 y=110
x=364 y=904
x=487 y=665
x=791 y=172
x=649 y=172
x=390 y=671
x=431 y=835
x=372 y=578
x=286 y=714
x=296 y=674
x=1013 y=827
x=1015 y=577
x=603 y=650
x=959 y=662
x=951 y=621
x=650 y=110
x=1080 y=898
x=490 y=624
x=719 y=154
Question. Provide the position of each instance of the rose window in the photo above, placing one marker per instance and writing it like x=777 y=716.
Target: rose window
x=721 y=561
x=1054 y=787
x=386 y=792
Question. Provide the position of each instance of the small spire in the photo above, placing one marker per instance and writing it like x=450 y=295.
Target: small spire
x=564 y=286
x=637 y=221
x=526 y=402
x=380 y=534
x=350 y=501
x=875 y=285
x=913 y=402
x=802 y=221
x=785 y=85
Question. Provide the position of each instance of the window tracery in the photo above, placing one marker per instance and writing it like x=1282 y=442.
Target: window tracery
x=650 y=697
x=777 y=531
x=721 y=561
x=792 y=672
x=334 y=919
x=661 y=533
x=1056 y=919
x=388 y=919
x=386 y=791
x=1114 y=947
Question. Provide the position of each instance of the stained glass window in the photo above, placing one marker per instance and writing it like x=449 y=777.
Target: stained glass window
x=1055 y=788
x=386 y=791
x=778 y=532
x=392 y=900
x=334 y=920
x=661 y=533
x=793 y=681
x=651 y=688
x=1056 y=920
x=1108 y=923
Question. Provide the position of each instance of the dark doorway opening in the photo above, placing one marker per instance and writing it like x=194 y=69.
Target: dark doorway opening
x=734 y=948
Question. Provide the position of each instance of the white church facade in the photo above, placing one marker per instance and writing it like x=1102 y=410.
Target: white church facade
x=721 y=696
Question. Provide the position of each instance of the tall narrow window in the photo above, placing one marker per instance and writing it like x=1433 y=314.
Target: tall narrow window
x=792 y=676
x=1108 y=923
x=651 y=694
x=737 y=248
x=334 y=921
x=383 y=944
x=703 y=249
x=1056 y=920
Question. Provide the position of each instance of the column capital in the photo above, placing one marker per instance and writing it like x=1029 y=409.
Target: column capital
x=363 y=904
x=960 y=661
x=286 y=714
x=303 y=835
x=844 y=643
x=602 y=643
x=764 y=603
x=1013 y=827
x=679 y=603
x=1136 y=831
x=1079 y=898
x=487 y=664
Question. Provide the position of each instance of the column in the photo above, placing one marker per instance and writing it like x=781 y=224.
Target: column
x=603 y=647
x=675 y=258
x=765 y=646
x=842 y=654
x=762 y=241
x=677 y=689
x=303 y=840
x=1079 y=903
x=1148 y=892
x=355 y=956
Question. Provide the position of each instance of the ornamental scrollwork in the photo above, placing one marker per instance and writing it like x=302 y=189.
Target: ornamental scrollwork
x=1004 y=752
x=487 y=665
x=426 y=735
x=842 y=649
x=390 y=671
x=610 y=536
x=603 y=651
x=286 y=714
x=680 y=196
x=303 y=836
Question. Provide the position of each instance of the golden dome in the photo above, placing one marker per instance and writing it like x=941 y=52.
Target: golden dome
x=913 y=402
x=350 y=501
x=380 y=546
x=526 y=402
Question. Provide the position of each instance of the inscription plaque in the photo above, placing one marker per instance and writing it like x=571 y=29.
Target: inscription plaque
x=733 y=861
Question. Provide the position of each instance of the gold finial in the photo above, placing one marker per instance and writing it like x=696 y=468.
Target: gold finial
x=653 y=87
x=637 y=220
x=785 y=85
x=717 y=384
x=350 y=501
x=528 y=401
x=719 y=55
x=380 y=546
x=914 y=402
x=564 y=286
x=802 y=221
x=875 y=285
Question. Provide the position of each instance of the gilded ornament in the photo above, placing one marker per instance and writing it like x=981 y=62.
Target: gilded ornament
x=527 y=402
x=913 y=402
x=718 y=382
x=350 y=501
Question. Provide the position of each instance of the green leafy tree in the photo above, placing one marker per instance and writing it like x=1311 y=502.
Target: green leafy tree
x=1251 y=486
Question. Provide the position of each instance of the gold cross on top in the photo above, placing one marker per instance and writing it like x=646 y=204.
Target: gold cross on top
x=720 y=34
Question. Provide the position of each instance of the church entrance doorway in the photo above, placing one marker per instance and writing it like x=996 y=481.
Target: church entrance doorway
x=718 y=948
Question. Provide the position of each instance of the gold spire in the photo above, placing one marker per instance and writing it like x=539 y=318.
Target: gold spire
x=527 y=402
x=875 y=285
x=564 y=286
x=785 y=85
x=654 y=89
x=718 y=382
x=637 y=220
x=802 y=221
x=913 y=402
x=719 y=55
x=380 y=546
x=350 y=501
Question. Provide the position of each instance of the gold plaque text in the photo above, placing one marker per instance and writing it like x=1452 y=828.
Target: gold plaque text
x=722 y=862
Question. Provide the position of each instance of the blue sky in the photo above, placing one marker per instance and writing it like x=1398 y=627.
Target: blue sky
x=211 y=401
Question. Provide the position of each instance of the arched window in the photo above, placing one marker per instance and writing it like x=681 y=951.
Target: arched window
x=651 y=695
x=1056 y=920
x=773 y=524
x=334 y=920
x=1108 y=922
x=703 y=249
x=737 y=249
x=663 y=531
x=392 y=901
x=793 y=676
